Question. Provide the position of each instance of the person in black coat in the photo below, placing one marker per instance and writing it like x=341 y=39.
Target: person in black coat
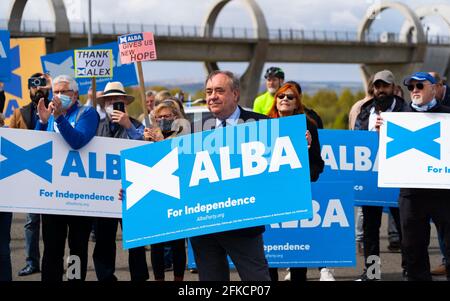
x=244 y=246
x=288 y=102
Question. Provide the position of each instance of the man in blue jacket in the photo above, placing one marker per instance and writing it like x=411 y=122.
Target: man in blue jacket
x=77 y=124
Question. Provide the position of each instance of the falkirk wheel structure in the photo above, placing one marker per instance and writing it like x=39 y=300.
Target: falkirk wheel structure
x=424 y=57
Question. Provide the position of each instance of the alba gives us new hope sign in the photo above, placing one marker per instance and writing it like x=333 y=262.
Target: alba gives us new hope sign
x=235 y=177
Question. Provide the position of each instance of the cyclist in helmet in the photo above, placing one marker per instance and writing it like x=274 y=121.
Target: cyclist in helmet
x=274 y=79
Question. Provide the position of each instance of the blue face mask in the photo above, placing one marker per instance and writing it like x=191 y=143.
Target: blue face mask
x=66 y=101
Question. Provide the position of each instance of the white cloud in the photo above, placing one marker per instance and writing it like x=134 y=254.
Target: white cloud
x=344 y=17
x=334 y=15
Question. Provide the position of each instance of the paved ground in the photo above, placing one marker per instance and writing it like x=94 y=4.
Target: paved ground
x=390 y=269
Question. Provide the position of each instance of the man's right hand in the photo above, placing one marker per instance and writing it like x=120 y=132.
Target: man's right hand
x=44 y=112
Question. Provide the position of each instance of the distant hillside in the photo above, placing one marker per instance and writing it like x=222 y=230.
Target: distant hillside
x=307 y=87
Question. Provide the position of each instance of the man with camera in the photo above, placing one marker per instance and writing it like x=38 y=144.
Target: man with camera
x=117 y=124
x=26 y=117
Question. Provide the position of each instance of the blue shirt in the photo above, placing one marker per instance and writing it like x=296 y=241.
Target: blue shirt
x=136 y=133
x=77 y=133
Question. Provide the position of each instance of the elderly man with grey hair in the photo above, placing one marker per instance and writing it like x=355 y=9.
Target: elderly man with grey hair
x=244 y=246
x=77 y=124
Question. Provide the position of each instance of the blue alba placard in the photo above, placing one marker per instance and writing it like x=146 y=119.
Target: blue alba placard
x=325 y=240
x=353 y=156
x=5 y=61
x=240 y=176
x=63 y=63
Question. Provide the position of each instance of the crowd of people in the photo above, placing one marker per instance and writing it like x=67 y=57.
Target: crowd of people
x=78 y=124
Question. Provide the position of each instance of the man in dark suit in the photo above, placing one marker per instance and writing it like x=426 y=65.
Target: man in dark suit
x=244 y=246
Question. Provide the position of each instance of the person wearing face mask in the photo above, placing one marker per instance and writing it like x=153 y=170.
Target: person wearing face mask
x=77 y=125
x=418 y=206
x=26 y=117
x=168 y=119
x=383 y=100
x=274 y=80
x=116 y=124
x=169 y=123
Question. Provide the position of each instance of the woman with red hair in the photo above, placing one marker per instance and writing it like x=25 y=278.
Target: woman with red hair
x=288 y=102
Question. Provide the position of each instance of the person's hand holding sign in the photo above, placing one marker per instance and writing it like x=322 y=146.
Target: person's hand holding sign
x=153 y=134
x=308 y=138
x=378 y=123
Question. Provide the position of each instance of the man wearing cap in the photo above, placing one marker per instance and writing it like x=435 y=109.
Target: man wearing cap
x=274 y=80
x=383 y=100
x=117 y=124
x=77 y=125
x=418 y=206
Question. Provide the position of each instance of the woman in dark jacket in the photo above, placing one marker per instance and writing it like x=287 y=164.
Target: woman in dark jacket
x=288 y=102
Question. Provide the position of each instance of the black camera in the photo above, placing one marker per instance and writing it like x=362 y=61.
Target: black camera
x=34 y=82
x=119 y=106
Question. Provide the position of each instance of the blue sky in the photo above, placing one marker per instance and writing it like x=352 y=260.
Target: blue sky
x=342 y=15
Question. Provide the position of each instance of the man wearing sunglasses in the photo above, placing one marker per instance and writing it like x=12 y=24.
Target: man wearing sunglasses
x=418 y=206
x=383 y=100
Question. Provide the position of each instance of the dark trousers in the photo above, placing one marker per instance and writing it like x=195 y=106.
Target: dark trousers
x=416 y=213
x=371 y=227
x=105 y=253
x=178 y=247
x=32 y=233
x=5 y=250
x=246 y=252
x=55 y=230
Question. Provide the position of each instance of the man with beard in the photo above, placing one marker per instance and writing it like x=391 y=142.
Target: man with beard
x=384 y=100
x=274 y=80
x=25 y=117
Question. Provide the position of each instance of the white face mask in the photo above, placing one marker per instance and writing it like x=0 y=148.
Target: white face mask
x=109 y=110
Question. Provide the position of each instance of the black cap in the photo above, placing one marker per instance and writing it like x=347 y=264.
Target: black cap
x=274 y=71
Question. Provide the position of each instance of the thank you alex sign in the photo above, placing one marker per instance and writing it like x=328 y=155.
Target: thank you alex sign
x=240 y=176
x=93 y=63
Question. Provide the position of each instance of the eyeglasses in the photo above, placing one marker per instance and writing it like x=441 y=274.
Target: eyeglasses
x=419 y=86
x=168 y=116
x=62 y=92
x=288 y=96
